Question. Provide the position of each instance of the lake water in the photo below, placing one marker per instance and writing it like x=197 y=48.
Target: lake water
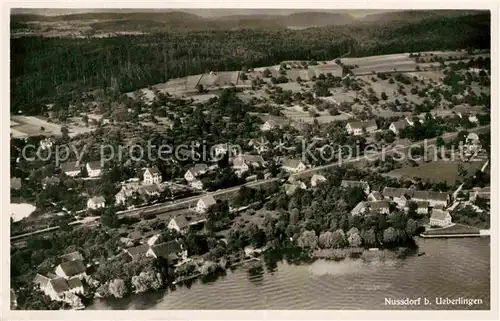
x=451 y=268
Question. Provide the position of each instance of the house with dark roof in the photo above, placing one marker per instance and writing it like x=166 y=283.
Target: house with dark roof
x=440 y=218
x=73 y=256
x=434 y=198
x=15 y=183
x=397 y=126
x=172 y=251
x=356 y=184
x=94 y=169
x=152 y=175
x=375 y=196
x=379 y=207
x=137 y=251
x=358 y=127
x=182 y=223
x=292 y=165
x=70 y=269
x=195 y=171
x=149 y=190
x=204 y=203
x=71 y=168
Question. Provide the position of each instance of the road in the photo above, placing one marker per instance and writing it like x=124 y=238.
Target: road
x=165 y=207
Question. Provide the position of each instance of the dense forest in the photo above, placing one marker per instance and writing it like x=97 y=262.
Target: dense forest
x=59 y=70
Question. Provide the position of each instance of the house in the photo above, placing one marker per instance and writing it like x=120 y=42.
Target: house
x=293 y=165
x=182 y=223
x=358 y=127
x=411 y=120
x=15 y=183
x=195 y=171
x=375 y=196
x=359 y=209
x=393 y=194
x=422 y=207
x=46 y=143
x=73 y=256
x=75 y=285
x=71 y=168
x=434 y=198
x=125 y=193
x=171 y=251
x=152 y=190
x=398 y=126
x=71 y=269
x=479 y=192
x=196 y=184
x=317 y=179
x=379 y=207
x=291 y=189
x=137 y=251
x=219 y=149
x=356 y=184
x=204 y=203
x=50 y=181
x=94 y=169
x=243 y=162
x=55 y=289
x=152 y=176
x=472 y=139
x=96 y=202
x=440 y=218
x=273 y=123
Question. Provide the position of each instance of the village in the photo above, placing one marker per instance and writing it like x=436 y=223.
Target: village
x=201 y=192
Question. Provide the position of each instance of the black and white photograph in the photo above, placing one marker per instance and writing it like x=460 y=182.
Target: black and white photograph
x=250 y=159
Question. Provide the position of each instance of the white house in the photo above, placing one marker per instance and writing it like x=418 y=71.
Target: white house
x=125 y=193
x=71 y=168
x=379 y=207
x=96 y=202
x=152 y=176
x=182 y=223
x=273 y=123
x=422 y=207
x=94 y=169
x=440 y=218
x=242 y=163
x=398 y=126
x=171 y=251
x=196 y=184
x=219 y=149
x=358 y=184
x=434 y=198
x=293 y=165
x=46 y=143
x=317 y=179
x=195 y=171
x=204 y=203
x=357 y=128
x=71 y=269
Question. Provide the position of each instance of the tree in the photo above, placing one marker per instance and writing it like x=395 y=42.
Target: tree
x=308 y=239
x=411 y=227
x=354 y=240
x=369 y=237
x=200 y=88
x=339 y=239
x=325 y=240
x=266 y=73
x=117 y=288
x=383 y=95
x=440 y=141
x=390 y=235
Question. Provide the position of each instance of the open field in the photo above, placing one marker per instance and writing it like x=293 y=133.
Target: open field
x=384 y=63
x=27 y=126
x=436 y=171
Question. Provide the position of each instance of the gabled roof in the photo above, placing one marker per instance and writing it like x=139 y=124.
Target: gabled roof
x=362 y=124
x=153 y=170
x=376 y=195
x=349 y=184
x=149 y=189
x=97 y=200
x=376 y=205
x=420 y=204
x=137 y=250
x=70 y=167
x=291 y=163
x=430 y=195
x=208 y=200
x=74 y=283
x=71 y=268
x=95 y=165
x=200 y=168
x=396 y=192
x=60 y=285
x=181 y=221
x=41 y=280
x=166 y=249
x=15 y=183
x=438 y=214
x=400 y=124
x=73 y=256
